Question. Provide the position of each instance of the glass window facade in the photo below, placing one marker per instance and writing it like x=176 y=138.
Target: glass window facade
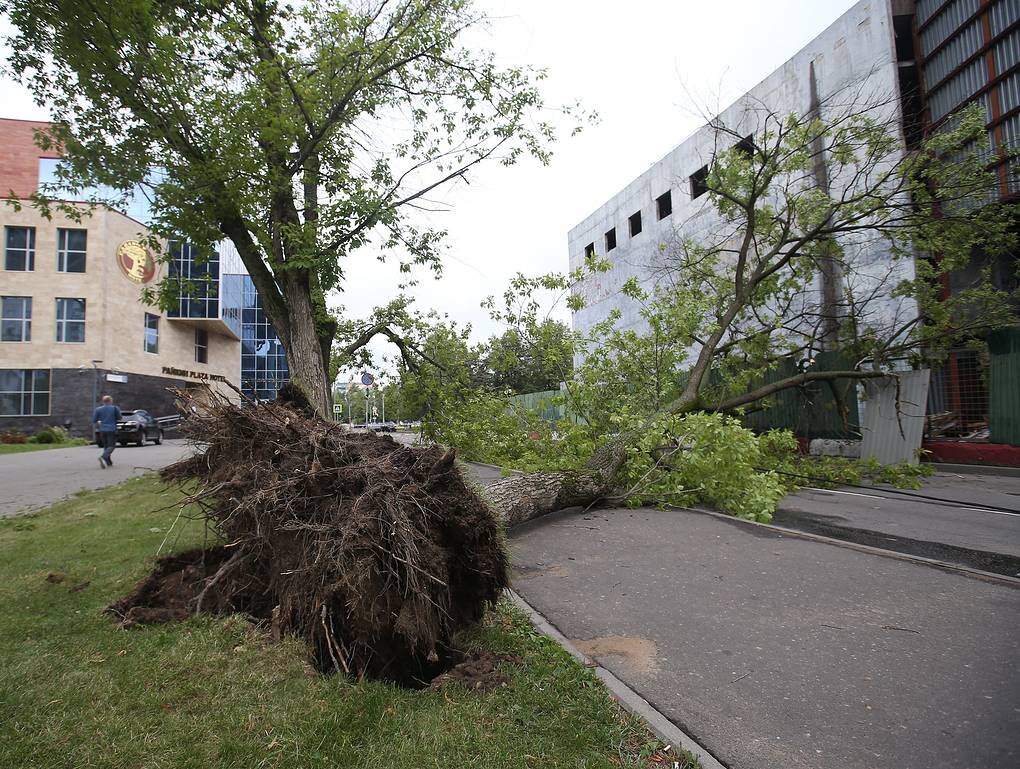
x=151 y=341
x=19 y=249
x=71 y=250
x=16 y=315
x=198 y=274
x=263 y=359
x=71 y=320
x=24 y=392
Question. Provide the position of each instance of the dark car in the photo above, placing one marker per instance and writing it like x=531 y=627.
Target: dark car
x=137 y=427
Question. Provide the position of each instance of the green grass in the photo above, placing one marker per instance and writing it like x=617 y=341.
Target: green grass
x=76 y=691
x=18 y=448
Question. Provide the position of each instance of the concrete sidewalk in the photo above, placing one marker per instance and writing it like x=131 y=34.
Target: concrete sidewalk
x=39 y=478
x=972 y=519
x=776 y=651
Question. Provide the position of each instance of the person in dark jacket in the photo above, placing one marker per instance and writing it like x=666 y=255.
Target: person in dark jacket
x=105 y=418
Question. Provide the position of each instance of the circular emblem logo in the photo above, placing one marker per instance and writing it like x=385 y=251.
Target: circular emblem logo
x=135 y=261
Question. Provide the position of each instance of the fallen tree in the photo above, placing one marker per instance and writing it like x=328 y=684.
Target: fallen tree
x=375 y=553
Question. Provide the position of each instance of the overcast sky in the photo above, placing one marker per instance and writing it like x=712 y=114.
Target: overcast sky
x=647 y=66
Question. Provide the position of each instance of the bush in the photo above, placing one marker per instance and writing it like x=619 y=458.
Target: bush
x=12 y=436
x=46 y=435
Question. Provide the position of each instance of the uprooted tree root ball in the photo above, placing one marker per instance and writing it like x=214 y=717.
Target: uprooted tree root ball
x=375 y=553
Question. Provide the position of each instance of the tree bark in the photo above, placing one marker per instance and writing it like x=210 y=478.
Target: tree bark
x=304 y=348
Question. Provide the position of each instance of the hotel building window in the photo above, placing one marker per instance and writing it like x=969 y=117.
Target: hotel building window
x=24 y=392
x=151 y=342
x=201 y=345
x=71 y=320
x=19 y=249
x=16 y=314
x=71 y=250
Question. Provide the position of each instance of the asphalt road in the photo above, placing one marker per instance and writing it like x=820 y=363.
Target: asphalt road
x=979 y=526
x=777 y=651
x=39 y=478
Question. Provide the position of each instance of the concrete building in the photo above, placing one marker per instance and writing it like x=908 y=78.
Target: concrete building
x=858 y=53
x=74 y=323
x=926 y=61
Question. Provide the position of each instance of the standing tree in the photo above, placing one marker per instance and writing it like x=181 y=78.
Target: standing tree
x=299 y=132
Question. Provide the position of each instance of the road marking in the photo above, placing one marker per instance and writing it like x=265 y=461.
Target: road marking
x=939 y=502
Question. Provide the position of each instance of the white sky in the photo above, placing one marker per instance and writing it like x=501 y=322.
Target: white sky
x=639 y=65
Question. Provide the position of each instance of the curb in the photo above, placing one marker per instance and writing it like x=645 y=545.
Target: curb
x=984 y=576
x=628 y=699
x=959 y=469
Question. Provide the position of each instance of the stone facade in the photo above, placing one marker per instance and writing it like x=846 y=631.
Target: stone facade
x=112 y=285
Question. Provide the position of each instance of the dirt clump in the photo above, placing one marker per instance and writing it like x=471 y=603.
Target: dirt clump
x=478 y=671
x=376 y=553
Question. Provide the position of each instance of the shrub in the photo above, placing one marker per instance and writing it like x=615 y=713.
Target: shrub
x=12 y=436
x=46 y=435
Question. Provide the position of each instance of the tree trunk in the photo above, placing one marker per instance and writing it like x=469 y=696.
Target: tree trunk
x=519 y=498
x=304 y=348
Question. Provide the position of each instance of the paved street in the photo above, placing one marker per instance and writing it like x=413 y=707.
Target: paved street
x=978 y=526
x=775 y=651
x=40 y=478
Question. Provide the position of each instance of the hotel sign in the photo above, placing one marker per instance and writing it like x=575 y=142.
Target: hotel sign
x=185 y=374
x=136 y=262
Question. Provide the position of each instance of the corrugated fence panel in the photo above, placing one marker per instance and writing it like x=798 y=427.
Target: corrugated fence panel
x=1004 y=387
x=542 y=404
x=811 y=411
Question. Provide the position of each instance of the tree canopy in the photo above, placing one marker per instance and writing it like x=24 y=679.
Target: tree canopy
x=299 y=132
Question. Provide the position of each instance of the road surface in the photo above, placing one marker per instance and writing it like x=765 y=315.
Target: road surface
x=778 y=651
x=36 y=479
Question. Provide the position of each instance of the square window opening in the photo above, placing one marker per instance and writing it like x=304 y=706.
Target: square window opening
x=589 y=251
x=699 y=182
x=611 y=240
x=19 y=249
x=634 y=220
x=664 y=204
x=71 y=247
x=71 y=320
x=745 y=146
x=16 y=319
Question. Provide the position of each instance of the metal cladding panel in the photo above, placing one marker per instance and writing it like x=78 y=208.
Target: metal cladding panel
x=945 y=23
x=1004 y=387
x=894 y=417
x=1004 y=13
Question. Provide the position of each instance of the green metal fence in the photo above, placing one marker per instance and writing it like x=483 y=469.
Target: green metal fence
x=1004 y=386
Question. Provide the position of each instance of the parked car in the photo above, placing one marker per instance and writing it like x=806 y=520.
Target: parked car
x=137 y=427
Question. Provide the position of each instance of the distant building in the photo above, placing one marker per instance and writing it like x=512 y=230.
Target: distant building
x=73 y=325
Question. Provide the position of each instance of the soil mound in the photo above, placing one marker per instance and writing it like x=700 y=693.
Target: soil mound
x=375 y=553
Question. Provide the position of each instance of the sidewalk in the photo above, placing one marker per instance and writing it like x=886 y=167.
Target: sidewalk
x=776 y=651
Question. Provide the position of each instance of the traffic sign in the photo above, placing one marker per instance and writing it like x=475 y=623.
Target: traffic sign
x=367 y=379
x=338 y=408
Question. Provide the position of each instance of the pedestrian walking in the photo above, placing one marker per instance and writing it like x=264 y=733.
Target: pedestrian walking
x=105 y=418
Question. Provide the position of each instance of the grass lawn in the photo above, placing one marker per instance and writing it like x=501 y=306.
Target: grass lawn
x=75 y=691
x=18 y=448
